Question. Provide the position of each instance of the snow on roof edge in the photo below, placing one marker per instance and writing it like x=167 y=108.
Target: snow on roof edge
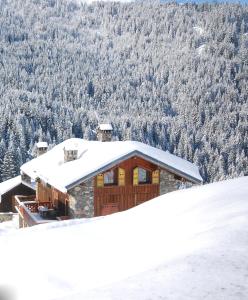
x=162 y=158
x=28 y=185
x=138 y=153
x=105 y=126
x=9 y=184
x=54 y=184
x=42 y=145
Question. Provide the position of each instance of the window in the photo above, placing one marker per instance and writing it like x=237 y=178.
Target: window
x=109 y=177
x=141 y=176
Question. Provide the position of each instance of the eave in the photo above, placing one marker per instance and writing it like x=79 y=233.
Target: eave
x=127 y=156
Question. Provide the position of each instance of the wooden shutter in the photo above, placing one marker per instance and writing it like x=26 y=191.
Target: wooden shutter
x=121 y=176
x=155 y=177
x=136 y=176
x=99 y=180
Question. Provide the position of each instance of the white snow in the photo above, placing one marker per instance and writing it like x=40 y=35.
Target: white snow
x=106 y=126
x=91 y=1
x=199 y=30
x=42 y=145
x=7 y=185
x=71 y=146
x=9 y=226
x=200 y=49
x=93 y=156
x=190 y=244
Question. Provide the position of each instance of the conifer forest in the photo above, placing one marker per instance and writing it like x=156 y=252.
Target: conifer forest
x=174 y=76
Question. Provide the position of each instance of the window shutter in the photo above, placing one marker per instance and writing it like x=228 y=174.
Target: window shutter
x=155 y=177
x=99 y=180
x=121 y=176
x=136 y=176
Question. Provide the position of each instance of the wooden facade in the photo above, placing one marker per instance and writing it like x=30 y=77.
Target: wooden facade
x=127 y=184
x=7 y=200
x=126 y=191
x=133 y=175
x=45 y=193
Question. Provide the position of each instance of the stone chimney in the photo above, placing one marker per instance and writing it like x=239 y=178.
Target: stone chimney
x=41 y=148
x=104 y=132
x=70 y=153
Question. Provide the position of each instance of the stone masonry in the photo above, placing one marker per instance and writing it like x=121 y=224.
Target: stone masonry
x=81 y=197
x=6 y=216
x=168 y=183
x=81 y=200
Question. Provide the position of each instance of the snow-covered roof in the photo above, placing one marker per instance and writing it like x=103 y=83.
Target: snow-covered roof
x=42 y=145
x=7 y=185
x=71 y=146
x=95 y=157
x=106 y=126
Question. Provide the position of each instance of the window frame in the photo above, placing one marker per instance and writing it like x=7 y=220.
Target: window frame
x=114 y=176
x=148 y=176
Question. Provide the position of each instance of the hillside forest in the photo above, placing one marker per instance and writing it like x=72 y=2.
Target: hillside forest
x=173 y=76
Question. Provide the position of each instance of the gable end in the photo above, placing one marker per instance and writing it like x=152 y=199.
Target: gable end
x=129 y=155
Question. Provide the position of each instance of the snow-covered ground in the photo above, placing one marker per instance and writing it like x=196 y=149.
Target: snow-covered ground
x=9 y=226
x=189 y=244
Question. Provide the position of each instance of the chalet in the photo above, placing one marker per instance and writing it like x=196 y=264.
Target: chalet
x=83 y=179
x=10 y=188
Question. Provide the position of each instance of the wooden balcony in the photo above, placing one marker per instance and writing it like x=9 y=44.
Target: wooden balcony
x=27 y=208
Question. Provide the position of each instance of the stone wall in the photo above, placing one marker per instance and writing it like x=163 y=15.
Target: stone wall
x=168 y=183
x=81 y=197
x=81 y=200
x=6 y=216
x=104 y=136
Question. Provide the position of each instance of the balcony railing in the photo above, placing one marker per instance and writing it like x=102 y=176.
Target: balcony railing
x=27 y=207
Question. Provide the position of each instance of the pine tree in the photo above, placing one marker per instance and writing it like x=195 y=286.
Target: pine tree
x=10 y=167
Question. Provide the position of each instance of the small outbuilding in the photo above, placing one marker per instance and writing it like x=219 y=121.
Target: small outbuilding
x=10 y=188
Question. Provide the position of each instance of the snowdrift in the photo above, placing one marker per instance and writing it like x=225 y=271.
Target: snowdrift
x=189 y=244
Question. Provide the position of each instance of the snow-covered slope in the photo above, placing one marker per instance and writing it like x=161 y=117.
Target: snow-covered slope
x=8 y=226
x=189 y=244
x=91 y=1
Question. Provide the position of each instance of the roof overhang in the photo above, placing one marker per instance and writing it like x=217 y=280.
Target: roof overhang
x=33 y=187
x=127 y=156
x=15 y=182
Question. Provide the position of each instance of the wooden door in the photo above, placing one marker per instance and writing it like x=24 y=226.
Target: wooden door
x=110 y=205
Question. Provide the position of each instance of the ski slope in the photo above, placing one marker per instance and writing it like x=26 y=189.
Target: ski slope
x=189 y=244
